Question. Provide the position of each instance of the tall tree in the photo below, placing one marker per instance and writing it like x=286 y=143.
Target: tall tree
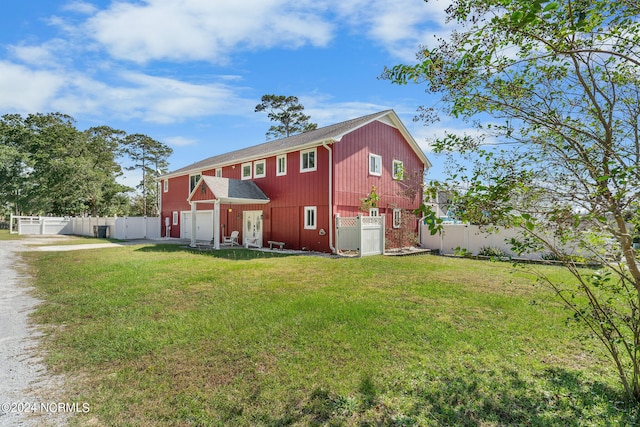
x=560 y=82
x=48 y=166
x=14 y=165
x=149 y=157
x=288 y=113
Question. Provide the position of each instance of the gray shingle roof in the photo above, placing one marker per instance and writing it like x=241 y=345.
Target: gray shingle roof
x=291 y=143
x=233 y=190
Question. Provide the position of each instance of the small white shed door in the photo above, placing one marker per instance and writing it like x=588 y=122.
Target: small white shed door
x=204 y=225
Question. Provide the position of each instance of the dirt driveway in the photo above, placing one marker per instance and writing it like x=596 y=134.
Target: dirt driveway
x=27 y=391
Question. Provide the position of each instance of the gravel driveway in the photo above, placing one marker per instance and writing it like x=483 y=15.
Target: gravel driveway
x=27 y=392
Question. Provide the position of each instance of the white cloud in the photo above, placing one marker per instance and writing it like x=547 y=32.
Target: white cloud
x=180 y=141
x=47 y=54
x=25 y=90
x=81 y=7
x=401 y=26
x=187 y=30
x=204 y=30
x=148 y=98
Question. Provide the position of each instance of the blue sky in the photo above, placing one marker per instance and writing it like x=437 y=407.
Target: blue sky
x=189 y=73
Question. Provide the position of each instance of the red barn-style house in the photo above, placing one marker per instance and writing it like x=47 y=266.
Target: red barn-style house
x=292 y=190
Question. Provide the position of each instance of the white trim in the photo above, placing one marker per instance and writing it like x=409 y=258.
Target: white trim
x=262 y=162
x=242 y=168
x=397 y=218
x=284 y=164
x=310 y=217
x=398 y=177
x=378 y=164
x=313 y=150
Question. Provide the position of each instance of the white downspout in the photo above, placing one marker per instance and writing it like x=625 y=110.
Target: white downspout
x=331 y=230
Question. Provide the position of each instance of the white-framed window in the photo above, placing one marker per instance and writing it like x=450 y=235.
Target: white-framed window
x=259 y=168
x=308 y=160
x=398 y=170
x=175 y=218
x=193 y=180
x=246 y=170
x=166 y=186
x=375 y=164
x=397 y=218
x=219 y=172
x=310 y=217
x=281 y=165
x=374 y=212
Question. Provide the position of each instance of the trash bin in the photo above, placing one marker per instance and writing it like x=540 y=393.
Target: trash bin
x=103 y=231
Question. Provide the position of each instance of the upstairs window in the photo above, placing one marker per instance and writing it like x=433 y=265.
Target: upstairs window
x=260 y=169
x=375 y=165
x=193 y=180
x=398 y=170
x=281 y=165
x=166 y=185
x=219 y=172
x=246 y=170
x=374 y=212
x=308 y=160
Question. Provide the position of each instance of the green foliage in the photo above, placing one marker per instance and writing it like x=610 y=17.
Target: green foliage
x=150 y=157
x=48 y=166
x=371 y=201
x=493 y=252
x=462 y=252
x=287 y=112
x=559 y=83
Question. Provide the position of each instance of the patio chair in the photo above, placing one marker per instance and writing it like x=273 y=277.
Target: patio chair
x=233 y=239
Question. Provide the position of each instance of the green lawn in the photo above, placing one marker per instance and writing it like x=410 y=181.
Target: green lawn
x=5 y=235
x=161 y=335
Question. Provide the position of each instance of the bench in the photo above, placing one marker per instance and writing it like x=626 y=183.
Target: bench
x=273 y=243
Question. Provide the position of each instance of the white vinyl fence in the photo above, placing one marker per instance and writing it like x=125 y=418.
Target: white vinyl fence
x=39 y=225
x=364 y=234
x=125 y=228
x=470 y=237
x=473 y=238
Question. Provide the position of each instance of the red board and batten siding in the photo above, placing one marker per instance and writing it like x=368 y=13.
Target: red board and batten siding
x=283 y=216
x=288 y=194
x=352 y=181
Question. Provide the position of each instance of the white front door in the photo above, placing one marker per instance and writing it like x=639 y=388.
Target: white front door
x=252 y=228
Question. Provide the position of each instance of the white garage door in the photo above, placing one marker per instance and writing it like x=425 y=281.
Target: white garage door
x=204 y=225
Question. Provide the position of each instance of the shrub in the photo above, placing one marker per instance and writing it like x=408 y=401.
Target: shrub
x=492 y=252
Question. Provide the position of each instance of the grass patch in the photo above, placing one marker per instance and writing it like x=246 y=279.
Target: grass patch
x=163 y=335
x=6 y=235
